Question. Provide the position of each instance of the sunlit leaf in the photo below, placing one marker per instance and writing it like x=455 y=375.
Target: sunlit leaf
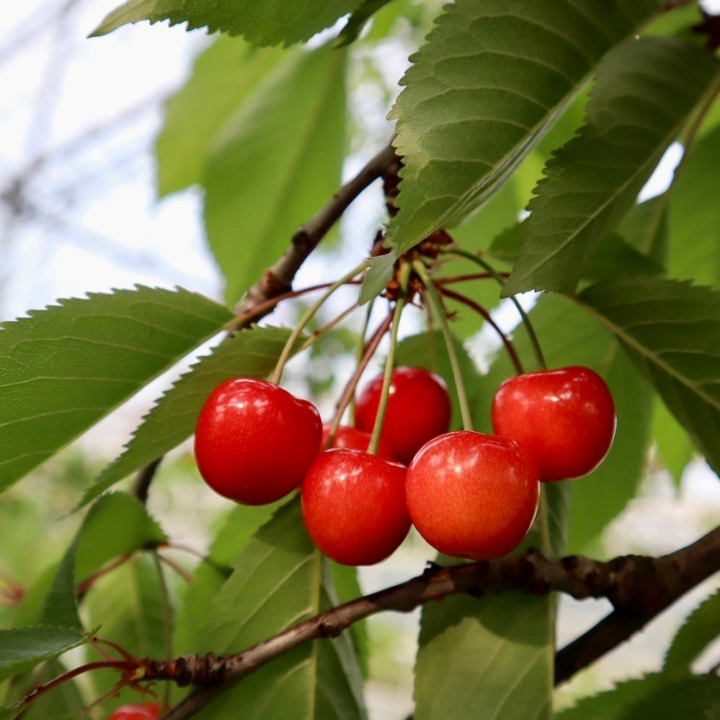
x=224 y=76
x=276 y=161
x=268 y=23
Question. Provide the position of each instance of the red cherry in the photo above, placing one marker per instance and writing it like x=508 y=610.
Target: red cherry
x=564 y=418
x=472 y=495
x=418 y=410
x=254 y=441
x=353 y=505
x=147 y=711
x=354 y=439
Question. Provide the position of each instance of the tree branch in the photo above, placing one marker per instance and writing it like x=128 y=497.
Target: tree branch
x=639 y=587
x=278 y=279
x=676 y=574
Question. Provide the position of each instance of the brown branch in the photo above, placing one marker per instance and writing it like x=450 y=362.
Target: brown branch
x=639 y=588
x=278 y=279
x=674 y=575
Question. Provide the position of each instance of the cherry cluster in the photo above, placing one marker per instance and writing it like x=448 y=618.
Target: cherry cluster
x=469 y=494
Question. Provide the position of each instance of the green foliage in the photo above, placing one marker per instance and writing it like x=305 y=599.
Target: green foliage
x=653 y=696
x=280 y=579
x=251 y=353
x=671 y=332
x=482 y=92
x=236 y=530
x=116 y=525
x=274 y=163
x=66 y=367
x=23 y=648
x=223 y=78
x=594 y=179
x=694 y=225
x=274 y=22
x=469 y=645
x=698 y=631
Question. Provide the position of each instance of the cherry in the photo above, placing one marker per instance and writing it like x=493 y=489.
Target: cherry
x=349 y=437
x=147 y=711
x=353 y=505
x=254 y=441
x=418 y=410
x=564 y=418
x=472 y=495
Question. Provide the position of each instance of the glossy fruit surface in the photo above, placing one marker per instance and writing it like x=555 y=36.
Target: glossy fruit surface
x=254 y=441
x=564 y=418
x=418 y=410
x=147 y=711
x=354 y=439
x=353 y=506
x=472 y=495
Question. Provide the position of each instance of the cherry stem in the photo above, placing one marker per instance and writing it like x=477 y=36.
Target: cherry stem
x=390 y=361
x=438 y=309
x=317 y=334
x=263 y=308
x=85 y=585
x=537 y=351
x=507 y=343
x=307 y=317
x=121 y=665
x=360 y=353
x=349 y=391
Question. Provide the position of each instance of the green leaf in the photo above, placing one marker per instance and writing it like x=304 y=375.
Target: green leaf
x=66 y=367
x=482 y=92
x=674 y=447
x=279 y=580
x=428 y=350
x=671 y=332
x=379 y=274
x=116 y=525
x=275 y=163
x=250 y=353
x=468 y=645
x=21 y=649
x=223 y=77
x=569 y=337
x=237 y=528
x=612 y=258
x=65 y=702
x=346 y=580
x=653 y=696
x=594 y=179
x=128 y=604
x=268 y=23
x=694 y=215
x=698 y=631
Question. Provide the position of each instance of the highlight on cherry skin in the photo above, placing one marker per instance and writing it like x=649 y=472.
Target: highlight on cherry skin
x=146 y=711
x=354 y=439
x=418 y=410
x=565 y=419
x=472 y=495
x=353 y=506
x=254 y=441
